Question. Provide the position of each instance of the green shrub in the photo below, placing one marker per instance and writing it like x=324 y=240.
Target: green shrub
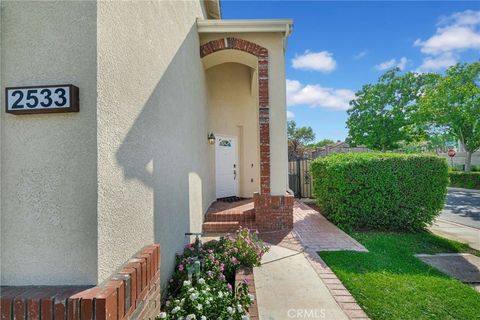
x=382 y=191
x=468 y=180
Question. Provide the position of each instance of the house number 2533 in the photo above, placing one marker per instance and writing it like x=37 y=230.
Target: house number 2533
x=42 y=99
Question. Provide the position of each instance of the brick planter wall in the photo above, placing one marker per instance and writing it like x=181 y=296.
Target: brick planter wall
x=273 y=213
x=132 y=293
x=246 y=274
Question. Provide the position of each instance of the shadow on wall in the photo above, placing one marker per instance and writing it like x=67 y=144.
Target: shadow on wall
x=167 y=150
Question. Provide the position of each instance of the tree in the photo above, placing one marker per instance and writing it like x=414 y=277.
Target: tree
x=382 y=115
x=298 y=138
x=452 y=102
x=320 y=143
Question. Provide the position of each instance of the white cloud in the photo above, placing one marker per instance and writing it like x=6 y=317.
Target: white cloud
x=389 y=64
x=290 y=114
x=435 y=63
x=360 y=55
x=318 y=61
x=314 y=95
x=457 y=32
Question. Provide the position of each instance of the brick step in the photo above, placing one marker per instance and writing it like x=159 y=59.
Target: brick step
x=240 y=216
x=228 y=226
x=221 y=226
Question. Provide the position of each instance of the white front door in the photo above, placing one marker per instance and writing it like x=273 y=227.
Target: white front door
x=226 y=167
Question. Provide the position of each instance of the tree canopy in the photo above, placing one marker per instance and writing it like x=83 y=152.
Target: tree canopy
x=382 y=115
x=452 y=102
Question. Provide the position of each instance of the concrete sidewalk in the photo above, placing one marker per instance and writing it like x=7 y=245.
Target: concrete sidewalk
x=456 y=231
x=288 y=287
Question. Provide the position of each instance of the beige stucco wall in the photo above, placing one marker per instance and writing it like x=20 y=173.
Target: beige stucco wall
x=48 y=162
x=154 y=181
x=233 y=110
x=277 y=93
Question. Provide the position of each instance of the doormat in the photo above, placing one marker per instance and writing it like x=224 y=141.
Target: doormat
x=230 y=199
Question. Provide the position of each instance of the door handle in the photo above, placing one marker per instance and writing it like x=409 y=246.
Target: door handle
x=234 y=174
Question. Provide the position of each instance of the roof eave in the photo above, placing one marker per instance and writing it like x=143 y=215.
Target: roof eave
x=239 y=26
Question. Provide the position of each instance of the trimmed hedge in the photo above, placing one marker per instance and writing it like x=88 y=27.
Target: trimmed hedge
x=380 y=191
x=468 y=180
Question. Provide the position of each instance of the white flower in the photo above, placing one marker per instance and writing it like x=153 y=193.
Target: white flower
x=203 y=318
x=190 y=317
x=176 y=309
x=239 y=308
x=186 y=283
x=167 y=303
x=230 y=310
x=162 y=315
x=201 y=281
x=193 y=296
x=246 y=317
x=199 y=307
x=191 y=290
x=252 y=297
x=220 y=294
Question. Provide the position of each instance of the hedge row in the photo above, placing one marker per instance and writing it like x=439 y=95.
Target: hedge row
x=468 y=180
x=380 y=191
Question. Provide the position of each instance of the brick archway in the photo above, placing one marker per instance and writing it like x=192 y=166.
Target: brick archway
x=263 y=100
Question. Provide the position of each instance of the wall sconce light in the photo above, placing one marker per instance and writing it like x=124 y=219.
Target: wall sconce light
x=211 y=138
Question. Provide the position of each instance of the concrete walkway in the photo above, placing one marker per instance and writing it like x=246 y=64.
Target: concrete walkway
x=294 y=282
x=289 y=288
x=457 y=232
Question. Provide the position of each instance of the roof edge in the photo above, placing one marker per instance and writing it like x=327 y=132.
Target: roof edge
x=269 y=25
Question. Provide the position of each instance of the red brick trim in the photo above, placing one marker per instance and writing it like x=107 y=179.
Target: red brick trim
x=133 y=292
x=263 y=96
x=273 y=213
x=246 y=274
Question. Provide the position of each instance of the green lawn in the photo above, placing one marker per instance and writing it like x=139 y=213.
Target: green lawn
x=390 y=283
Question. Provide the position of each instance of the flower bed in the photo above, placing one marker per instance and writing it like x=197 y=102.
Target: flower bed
x=203 y=285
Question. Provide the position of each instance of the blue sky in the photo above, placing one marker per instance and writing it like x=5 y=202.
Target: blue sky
x=336 y=47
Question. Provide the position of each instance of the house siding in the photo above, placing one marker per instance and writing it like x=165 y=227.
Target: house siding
x=83 y=192
x=154 y=181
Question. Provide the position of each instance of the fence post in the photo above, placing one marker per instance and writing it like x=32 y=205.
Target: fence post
x=299 y=180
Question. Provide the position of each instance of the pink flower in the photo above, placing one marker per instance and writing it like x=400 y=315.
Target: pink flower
x=235 y=250
x=229 y=286
x=180 y=267
x=222 y=267
x=234 y=260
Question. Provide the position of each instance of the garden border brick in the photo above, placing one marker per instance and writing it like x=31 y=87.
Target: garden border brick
x=341 y=294
x=131 y=293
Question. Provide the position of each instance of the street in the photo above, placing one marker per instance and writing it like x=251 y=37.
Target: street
x=463 y=207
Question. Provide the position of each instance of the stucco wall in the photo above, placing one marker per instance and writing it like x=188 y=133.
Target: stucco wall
x=233 y=110
x=48 y=162
x=154 y=180
x=278 y=109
